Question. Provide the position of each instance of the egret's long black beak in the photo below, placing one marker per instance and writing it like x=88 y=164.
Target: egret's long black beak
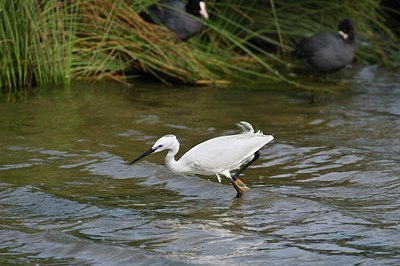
x=149 y=151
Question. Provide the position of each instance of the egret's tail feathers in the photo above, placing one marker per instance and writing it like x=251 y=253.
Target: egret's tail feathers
x=246 y=127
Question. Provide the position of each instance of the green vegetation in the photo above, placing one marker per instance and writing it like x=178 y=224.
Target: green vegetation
x=54 y=42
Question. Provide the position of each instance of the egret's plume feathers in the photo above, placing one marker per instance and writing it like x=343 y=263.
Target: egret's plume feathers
x=246 y=127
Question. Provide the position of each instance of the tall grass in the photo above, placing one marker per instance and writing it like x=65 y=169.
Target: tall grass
x=271 y=29
x=113 y=38
x=36 y=40
x=49 y=41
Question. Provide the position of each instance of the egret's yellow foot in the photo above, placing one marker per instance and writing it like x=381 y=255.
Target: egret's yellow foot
x=241 y=186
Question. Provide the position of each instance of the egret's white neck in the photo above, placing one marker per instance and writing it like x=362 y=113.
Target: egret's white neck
x=170 y=161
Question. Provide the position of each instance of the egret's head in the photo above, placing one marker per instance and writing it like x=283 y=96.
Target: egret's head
x=164 y=143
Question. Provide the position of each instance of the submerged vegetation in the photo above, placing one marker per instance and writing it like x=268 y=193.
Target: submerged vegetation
x=55 y=42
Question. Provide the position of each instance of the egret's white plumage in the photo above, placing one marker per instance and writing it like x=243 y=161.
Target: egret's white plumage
x=216 y=156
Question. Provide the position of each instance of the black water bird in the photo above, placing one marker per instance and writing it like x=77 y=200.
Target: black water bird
x=183 y=19
x=327 y=52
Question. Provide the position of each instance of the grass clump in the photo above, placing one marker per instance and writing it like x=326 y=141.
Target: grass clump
x=113 y=38
x=36 y=40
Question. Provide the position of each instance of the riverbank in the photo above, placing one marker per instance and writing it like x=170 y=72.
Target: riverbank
x=54 y=42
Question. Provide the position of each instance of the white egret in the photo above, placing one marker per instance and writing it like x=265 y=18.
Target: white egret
x=216 y=156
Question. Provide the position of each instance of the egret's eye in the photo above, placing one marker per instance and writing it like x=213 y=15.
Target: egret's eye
x=160 y=146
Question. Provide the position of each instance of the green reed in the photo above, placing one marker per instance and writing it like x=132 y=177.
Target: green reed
x=36 y=40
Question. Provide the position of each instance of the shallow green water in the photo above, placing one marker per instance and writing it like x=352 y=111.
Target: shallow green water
x=325 y=192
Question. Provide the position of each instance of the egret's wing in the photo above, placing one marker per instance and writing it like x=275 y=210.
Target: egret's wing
x=224 y=153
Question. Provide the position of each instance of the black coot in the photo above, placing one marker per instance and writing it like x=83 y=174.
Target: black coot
x=328 y=52
x=181 y=18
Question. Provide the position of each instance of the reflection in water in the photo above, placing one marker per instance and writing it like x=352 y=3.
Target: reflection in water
x=325 y=191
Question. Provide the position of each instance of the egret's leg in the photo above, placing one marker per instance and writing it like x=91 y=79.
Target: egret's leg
x=235 y=186
x=244 y=167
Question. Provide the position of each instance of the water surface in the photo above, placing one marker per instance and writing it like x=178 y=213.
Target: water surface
x=325 y=192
